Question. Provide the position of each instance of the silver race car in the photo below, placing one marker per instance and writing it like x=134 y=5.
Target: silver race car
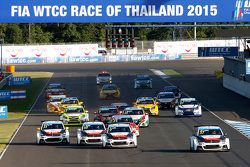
x=52 y=132
x=209 y=138
x=119 y=135
x=103 y=77
x=90 y=133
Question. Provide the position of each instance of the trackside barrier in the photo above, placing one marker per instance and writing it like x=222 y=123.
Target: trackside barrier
x=4 y=81
x=92 y=59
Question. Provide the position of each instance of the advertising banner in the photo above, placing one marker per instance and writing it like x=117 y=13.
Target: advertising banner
x=25 y=80
x=5 y=95
x=48 y=11
x=217 y=51
x=18 y=94
x=247 y=67
x=4 y=112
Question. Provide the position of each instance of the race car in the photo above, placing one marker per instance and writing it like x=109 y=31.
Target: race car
x=142 y=81
x=90 y=133
x=174 y=89
x=103 y=77
x=52 y=132
x=105 y=113
x=138 y=115
x=209 y=138
x=127 y=119
x=149 y=105
x=52 y=103
x=119 y=135
x=110 y=91
x=166 y=99
x=54 y=89
x=188 y=107
x=74 y=115
x=68 y=101
x=120 y=106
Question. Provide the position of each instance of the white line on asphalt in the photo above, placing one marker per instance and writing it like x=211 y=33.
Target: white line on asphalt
x=156 y=72
x=5 y=149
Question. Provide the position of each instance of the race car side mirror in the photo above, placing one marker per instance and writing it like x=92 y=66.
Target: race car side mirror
x=79 y=129
x=67 y=128
x=134 y=103
x=156 y=103
x=146 y=113
x=38 y=129
x=81 y=103
x=225 y=134
x=95 y=112
x=47 y=101
x=86 y=111
x=134 y=131
x=104 y=131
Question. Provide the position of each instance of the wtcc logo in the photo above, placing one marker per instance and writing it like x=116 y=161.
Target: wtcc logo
x=3 y=111
x=242 y=7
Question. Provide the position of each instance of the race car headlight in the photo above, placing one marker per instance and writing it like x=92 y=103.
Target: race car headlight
x=130 y=135
x=84 y=134
x=42 y=133
x=180 y=108
x=65 y=117
x=153 y=108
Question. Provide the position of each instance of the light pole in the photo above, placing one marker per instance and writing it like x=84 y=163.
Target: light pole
x=1 y=42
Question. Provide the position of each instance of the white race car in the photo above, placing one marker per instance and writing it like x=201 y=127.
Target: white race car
x=119 y=135
x=90 y=133
x=52 y=132
x=138 y=115
x=209 y=138
x=127 y=119
x=188 y=107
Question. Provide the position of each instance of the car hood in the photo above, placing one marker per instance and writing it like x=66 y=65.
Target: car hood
x=145 y=105
x=188 y=106
x=120 y=135
x=166 y=99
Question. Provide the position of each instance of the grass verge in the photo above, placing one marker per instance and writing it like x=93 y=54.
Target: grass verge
x=6 y=131
x=171 y=72
x=18 y=108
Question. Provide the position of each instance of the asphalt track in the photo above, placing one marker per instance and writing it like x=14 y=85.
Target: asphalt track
x=163 y=143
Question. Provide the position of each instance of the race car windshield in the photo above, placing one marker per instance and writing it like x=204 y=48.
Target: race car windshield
x=133 y=112
x=109 y=87
x=52 y=126
x=104 y=75
x=70 y=102
x=107 y=111
x=171 y=89
x=55 y=87
x=93 y=127
x=143 y=78
x=74 y=110
x=188 y=103
x=124 y=120
x=55 y=100
x=118 y=129
x=145 y=102
x=162 y=96
x=210 y=132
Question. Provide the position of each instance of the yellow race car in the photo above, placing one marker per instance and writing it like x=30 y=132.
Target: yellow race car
x=149 y=105
x=53 y=103
x=110 y=91
x=68 y=101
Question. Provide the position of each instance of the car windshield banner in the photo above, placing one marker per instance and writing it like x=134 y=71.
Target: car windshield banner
x=41 y=11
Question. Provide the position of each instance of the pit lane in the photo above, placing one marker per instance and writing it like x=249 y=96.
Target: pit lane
x=164 y=143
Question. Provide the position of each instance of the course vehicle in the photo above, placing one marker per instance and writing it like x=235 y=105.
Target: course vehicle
x=138 y=115
x=166 y=99
x=120 y=106
x=53 y=102
x=209 y=138
x=143 y=81
x=110 y=91
x=103 y=77
x=52 y=132
x=90 y=133
x=126 y=119
x=188 y=107
x=68 y=101
x=54 y=89
x=105 y=113
x=174 y=89
x=119 y=135
x=149 y=105
x=74 y=115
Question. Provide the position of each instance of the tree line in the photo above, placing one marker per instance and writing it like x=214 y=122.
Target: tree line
x=90 y=32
